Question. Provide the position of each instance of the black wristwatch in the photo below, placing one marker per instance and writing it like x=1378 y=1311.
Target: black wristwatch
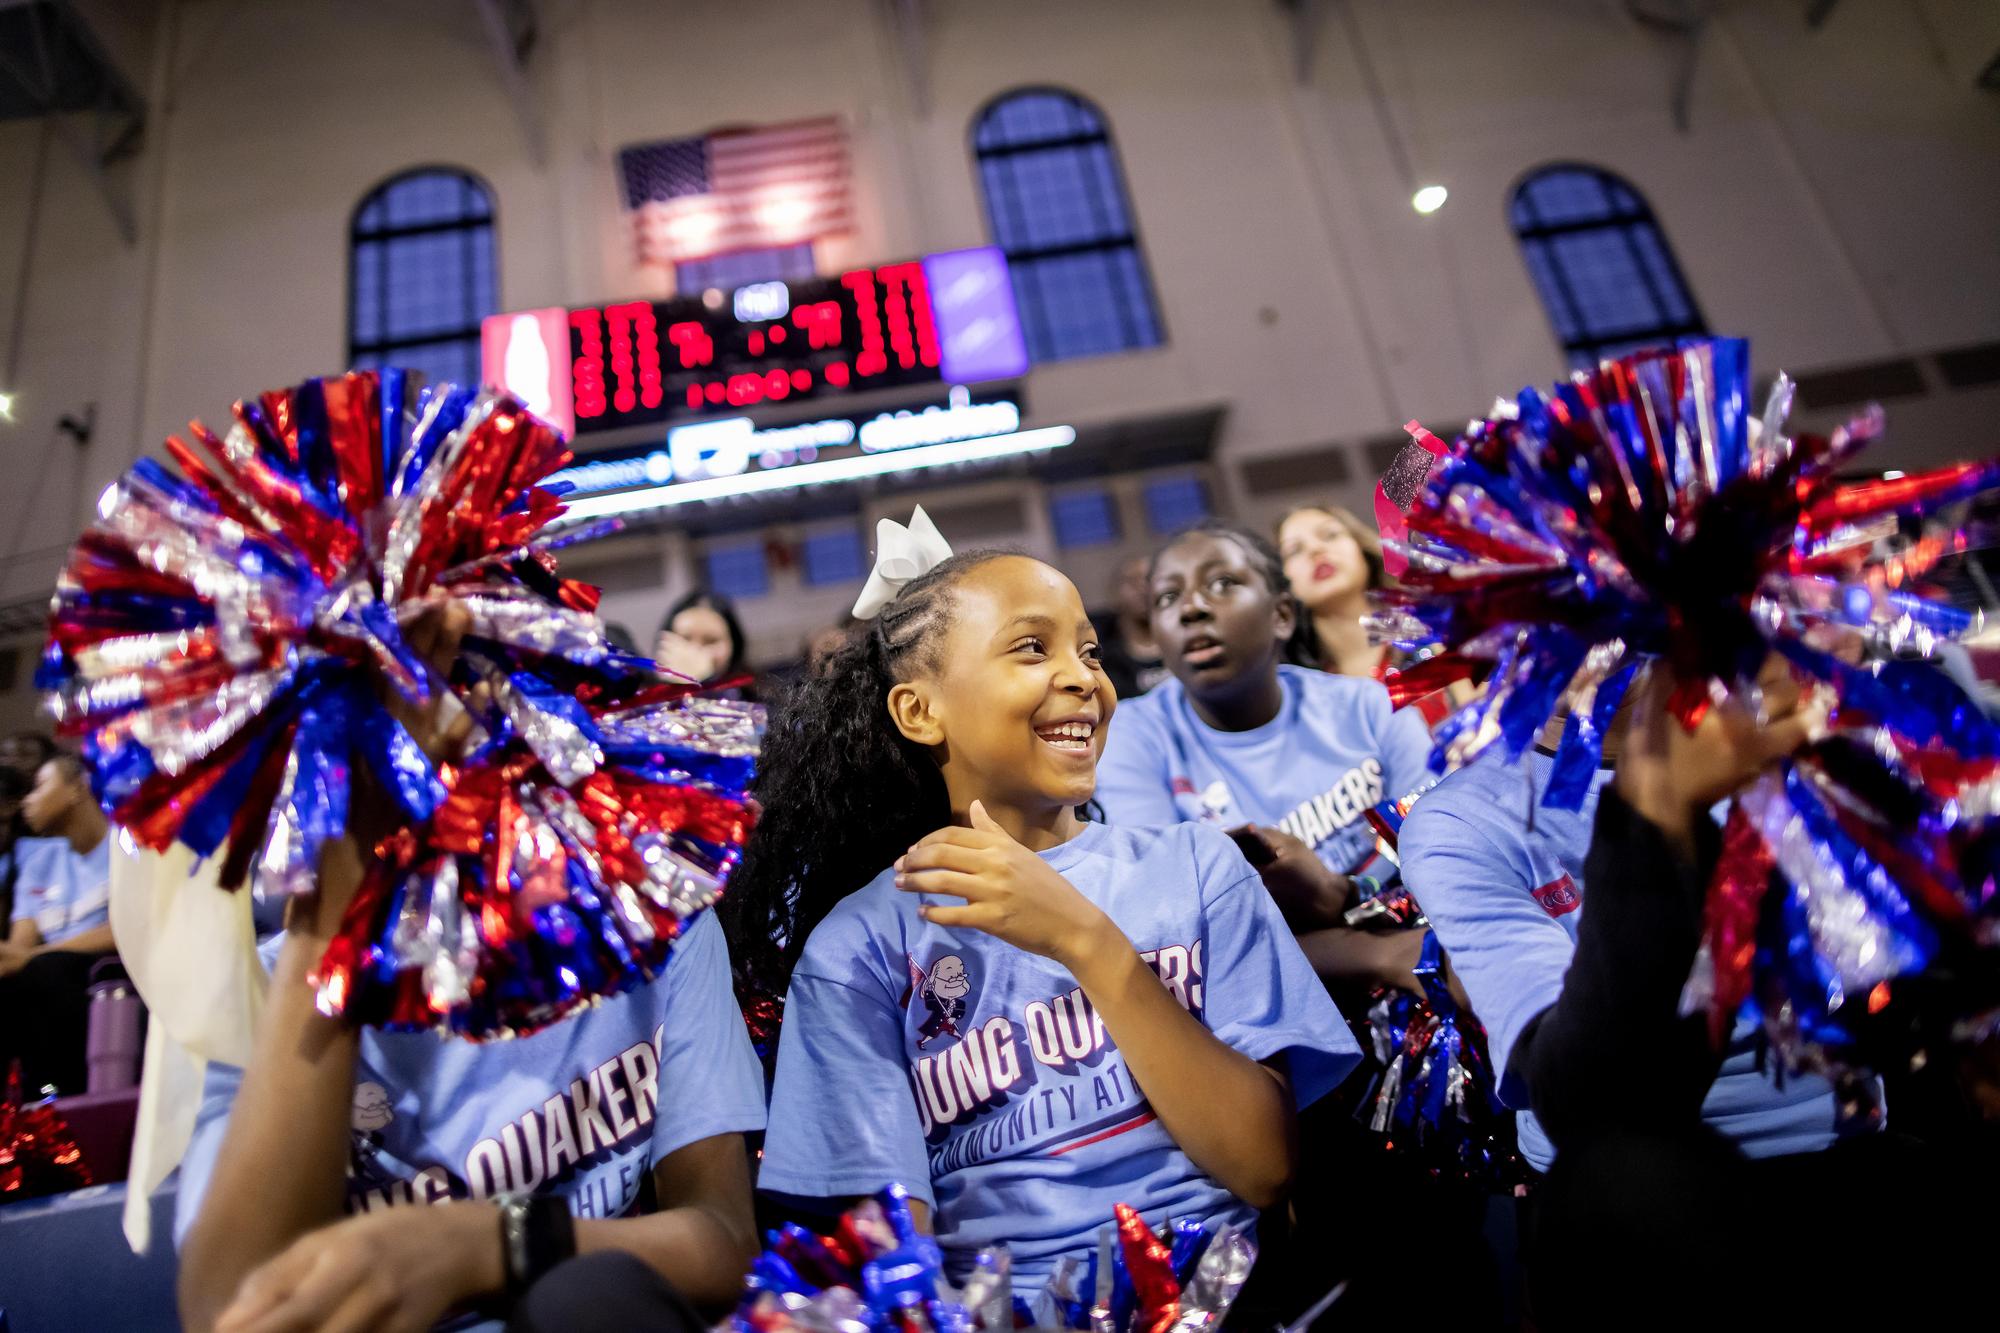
x=536 y=1233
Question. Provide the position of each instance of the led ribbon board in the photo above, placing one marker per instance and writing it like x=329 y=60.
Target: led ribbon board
x=852 y=468
x=733 y=445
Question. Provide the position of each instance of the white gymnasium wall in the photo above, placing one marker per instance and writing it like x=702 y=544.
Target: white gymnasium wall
x=1836 y=196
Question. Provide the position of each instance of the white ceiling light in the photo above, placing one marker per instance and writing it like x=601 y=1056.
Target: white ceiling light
x=1429 y=199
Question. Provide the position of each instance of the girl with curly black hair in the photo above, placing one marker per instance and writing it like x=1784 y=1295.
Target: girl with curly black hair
x=980 y=982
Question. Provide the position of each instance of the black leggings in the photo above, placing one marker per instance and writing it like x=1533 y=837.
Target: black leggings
x=45 y=1021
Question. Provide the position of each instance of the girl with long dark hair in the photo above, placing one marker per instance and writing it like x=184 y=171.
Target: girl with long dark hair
x=980 y=982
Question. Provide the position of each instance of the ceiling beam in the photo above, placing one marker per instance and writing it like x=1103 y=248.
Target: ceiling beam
x=913 y=51
x=1687 y=21
x=1304 y=16
x=512 y=28
x=118 y=116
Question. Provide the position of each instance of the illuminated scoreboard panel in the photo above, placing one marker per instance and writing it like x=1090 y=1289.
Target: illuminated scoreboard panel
x=947 y=316
x=648 y=361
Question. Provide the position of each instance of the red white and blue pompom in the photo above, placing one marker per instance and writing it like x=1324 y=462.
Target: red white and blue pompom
x=1638 y=513
x=877 y=1273
x=218 y=638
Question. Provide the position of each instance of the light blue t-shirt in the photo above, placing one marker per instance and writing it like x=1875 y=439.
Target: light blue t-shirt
x=979 y=1076
x=583 y=1108
x=1336 y=749
x=62 y=891
x=1505 y=899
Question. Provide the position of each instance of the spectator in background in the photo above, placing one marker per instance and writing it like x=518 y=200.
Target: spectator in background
x=60 y=927
x=701 y=638
x=26 y=752
x=20 y=756
x=1333 y=561
x=1126 y=646
x=14 y=787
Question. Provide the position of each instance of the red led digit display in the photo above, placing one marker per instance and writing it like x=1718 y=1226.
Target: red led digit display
x=586 y=342
x=635 y=362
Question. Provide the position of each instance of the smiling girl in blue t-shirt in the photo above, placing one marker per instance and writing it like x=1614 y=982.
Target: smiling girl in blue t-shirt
x=1024 y=1018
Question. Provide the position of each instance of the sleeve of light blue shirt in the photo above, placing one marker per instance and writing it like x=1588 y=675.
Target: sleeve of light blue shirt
x=1509 y=953
x=1405 y=745
x=710 y=1081
x=1260 y=995
x=1132 y=778
x=27 y=871
x=35 y=861
x=843 y=1120
x=218 y=1094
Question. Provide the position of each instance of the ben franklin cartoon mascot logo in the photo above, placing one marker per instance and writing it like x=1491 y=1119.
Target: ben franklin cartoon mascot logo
x=371 y=1115
x=945 y=991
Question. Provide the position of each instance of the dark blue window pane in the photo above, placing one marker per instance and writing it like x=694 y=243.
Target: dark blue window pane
x=1604 y=278
x=422 y=275
x=1128 y=278
x=1601 y=265
x=432 y=196
x=833 y=557
x=738 y=570
x=1566 y=196
x=1175 y=505
x=1056 y=204
x=452 y=359
x=1549 y=283
x=1084 y=518
x=368 y=291
x=1085 y=304
x=1035 y=117
x=1660 y=269
x=741 y=267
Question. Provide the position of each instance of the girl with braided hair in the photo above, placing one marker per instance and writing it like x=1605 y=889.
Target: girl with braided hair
x=922 y=836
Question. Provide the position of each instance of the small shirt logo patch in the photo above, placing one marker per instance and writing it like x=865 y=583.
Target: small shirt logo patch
x=1558 y=897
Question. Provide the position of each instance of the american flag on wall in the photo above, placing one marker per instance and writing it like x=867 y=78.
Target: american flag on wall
x=737 y=189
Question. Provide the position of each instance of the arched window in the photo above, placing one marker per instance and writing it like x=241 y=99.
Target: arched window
x=421 y=274
x=1598 y=257
x=1055 y=200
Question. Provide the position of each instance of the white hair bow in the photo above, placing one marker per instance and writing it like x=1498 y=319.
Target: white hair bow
x=901 y=554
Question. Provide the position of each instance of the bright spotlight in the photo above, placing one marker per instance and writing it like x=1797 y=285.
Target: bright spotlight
x=1429 y=199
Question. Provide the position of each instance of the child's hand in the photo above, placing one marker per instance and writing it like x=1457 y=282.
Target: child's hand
x=1671 y=775
x=1309 y=895
x=1010 y=893
x=400 y=1268
x=440 y=727
x=680 y=656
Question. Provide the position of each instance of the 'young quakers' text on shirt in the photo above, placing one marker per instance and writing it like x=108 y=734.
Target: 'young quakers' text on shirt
x=980 y=1077
x=1336 y=749
x=583 y=1108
